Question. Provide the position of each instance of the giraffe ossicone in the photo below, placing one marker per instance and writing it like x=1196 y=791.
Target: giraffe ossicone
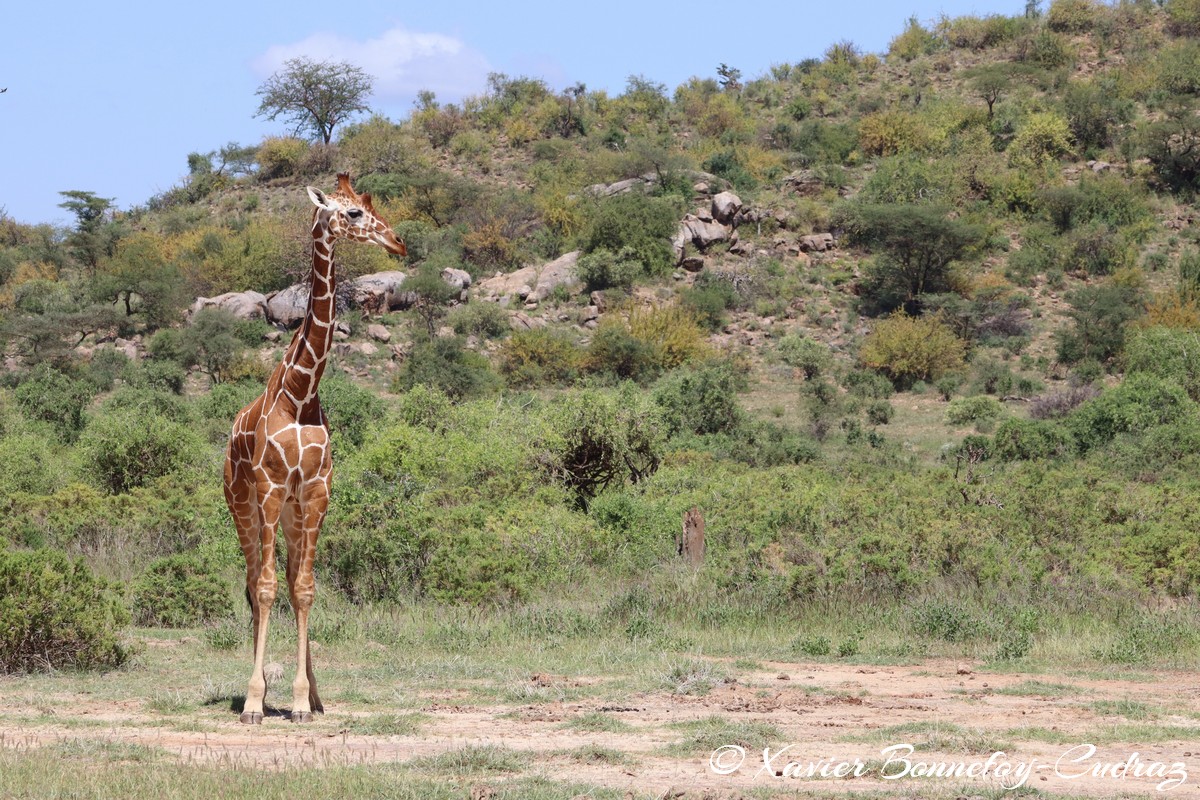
x=278 y=464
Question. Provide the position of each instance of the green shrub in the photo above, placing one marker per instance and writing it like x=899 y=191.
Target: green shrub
x=962 y=410
x=1104 y=198
x=1169 y=353
x=950 y=621
x=351 y=409
x=1071 y=16
x=53 y=397
x=869 y=385
x=914 y=42
x=41 y=469
x=426 y=407
x=880 y=412
x=129 y=448
x=1183 y=17
x=637 y=228
x=1140 y=403
x=477 y=567
x=1043 y=138
x=447 y=366
x=605 y=269
x=1179 y=68
x=1027 y=440
x=179 y=592
x=485 y=320
x=55 y=614
x=538 y=357
x=707 y=302
x=807 y=355
x=1100 y=314
x=701 y=400
x=597 y=439
x=280 y=157
x=106 y=365
x=225 y=400
x=163 y=376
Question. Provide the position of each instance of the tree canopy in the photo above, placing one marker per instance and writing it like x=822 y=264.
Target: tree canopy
x=315 y=96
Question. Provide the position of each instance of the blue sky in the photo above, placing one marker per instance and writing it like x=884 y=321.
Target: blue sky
x=111 y=97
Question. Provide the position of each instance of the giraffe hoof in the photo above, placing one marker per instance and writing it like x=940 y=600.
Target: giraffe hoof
x=251 y=718
x=302 y=716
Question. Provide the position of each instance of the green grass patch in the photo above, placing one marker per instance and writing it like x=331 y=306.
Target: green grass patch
x=706 y=735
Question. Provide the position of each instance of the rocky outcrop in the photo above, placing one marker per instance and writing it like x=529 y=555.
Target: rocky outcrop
x=701 y=233
x=649 y=180
x=287 y=307
x=380 y=292
x=533 y=284
x=817 y=243
x=725 y=207
x=243 y=305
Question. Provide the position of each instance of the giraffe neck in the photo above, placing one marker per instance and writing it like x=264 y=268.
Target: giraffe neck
x=301 y=369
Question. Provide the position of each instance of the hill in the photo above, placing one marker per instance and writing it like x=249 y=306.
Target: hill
x=900 y=325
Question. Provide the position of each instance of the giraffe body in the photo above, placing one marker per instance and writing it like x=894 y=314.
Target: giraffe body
x=278 y=465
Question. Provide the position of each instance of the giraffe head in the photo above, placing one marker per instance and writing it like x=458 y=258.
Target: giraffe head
x=350 y=215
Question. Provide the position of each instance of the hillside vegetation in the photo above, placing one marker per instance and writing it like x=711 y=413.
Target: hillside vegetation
x=939 y=351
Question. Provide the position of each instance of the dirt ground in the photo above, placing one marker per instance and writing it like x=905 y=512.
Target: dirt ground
x=986 y=730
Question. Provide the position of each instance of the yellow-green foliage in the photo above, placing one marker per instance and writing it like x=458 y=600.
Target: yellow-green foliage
x=976 y=33
x=1044 y=137
x=380 y=145
x=1072 y=16
x=530 y=358
x=671 y=330
x=889 y=133
x=1183 y=17
x=266 y=254
x=909 y=349
x=280 y=156
x=916 y=41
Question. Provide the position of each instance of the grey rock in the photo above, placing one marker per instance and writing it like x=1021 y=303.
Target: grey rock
x=243 y=305
x=817 y=243
x=725 y=207
x=379 y=333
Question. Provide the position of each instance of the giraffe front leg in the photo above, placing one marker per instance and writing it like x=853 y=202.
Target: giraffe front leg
x=302 y=526
x=262 y=587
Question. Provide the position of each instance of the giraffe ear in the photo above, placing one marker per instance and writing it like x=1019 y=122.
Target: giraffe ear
x=318 y=197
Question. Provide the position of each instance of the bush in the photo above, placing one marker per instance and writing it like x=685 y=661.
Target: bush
x=1140 y=403
x=351 y=409
x=1100 y=314
x=880 y=412
x=807 y=355
x=672 y=332
x=1183 y=17
x=446 y=365
x=597 y=439
x=50 y=396
x=917 y=244
x=1071 y=16
x=619 y=354
x=914 y=42
x=1043 y=138
x=538 y=357
x=890 y=133
x=280 y=157
x=477 y=567
x=604 y=269
x=485 y=320
x=701 y=400
x=707 y=302
x=1027 y=440
x=1169 y=353
x=979 y=408
x=55 y=614
x=1060 y=404
x=637 y=227
x=130 y=448
x=179 y=592
x=908 y=349
x=869 y=385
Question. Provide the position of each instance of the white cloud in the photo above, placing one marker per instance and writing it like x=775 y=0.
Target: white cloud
x=403 y=62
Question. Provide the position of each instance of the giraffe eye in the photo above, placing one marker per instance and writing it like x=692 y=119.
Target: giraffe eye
x=355 y=213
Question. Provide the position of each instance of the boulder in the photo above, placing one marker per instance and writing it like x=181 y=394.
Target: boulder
x=458 y=278
x=380 y=292
x=287 y=307
x=379 y=333
x=817 y=243
x=725 y=207
x=534 y=284
x=243 y=305
x=520 y=321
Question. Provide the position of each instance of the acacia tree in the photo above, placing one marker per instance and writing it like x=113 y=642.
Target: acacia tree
x=315 y=96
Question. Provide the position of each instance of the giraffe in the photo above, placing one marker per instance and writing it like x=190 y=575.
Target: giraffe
x=278 y=466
